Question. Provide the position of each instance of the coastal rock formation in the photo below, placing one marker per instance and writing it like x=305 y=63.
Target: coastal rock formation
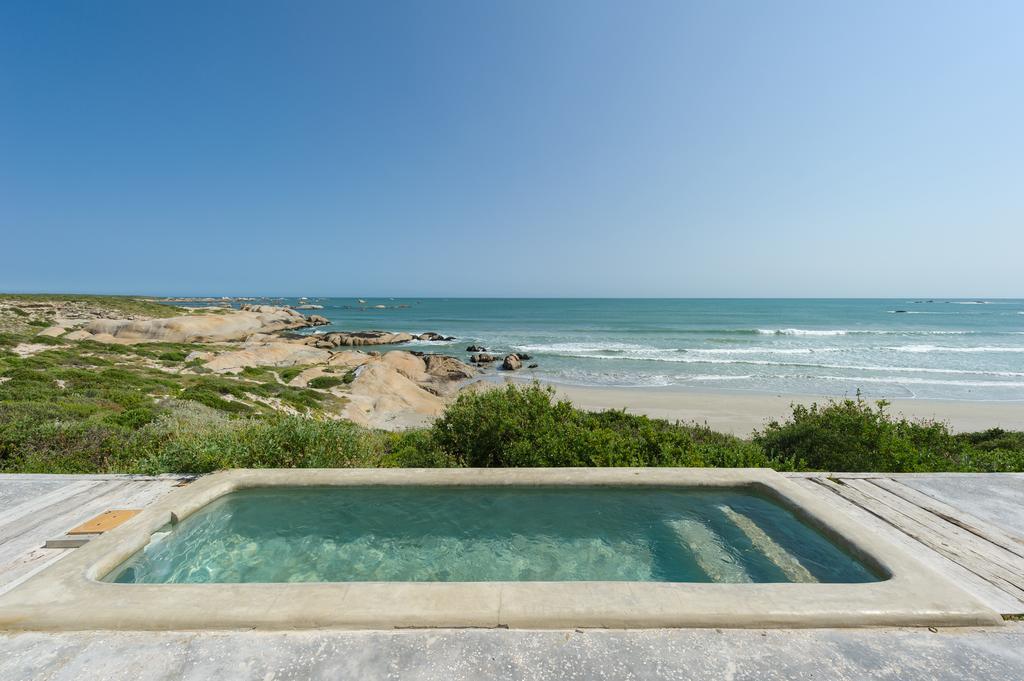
x=476 y=348
x=357 y=338
x=227 y=326
x=274 y=353
x=52 y=331
x=401 y=390
x=482 y=358
x=511 y=363
x=448 y=368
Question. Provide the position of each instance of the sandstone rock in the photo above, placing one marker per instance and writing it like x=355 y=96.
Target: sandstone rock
x=382 y=397
x=482 y=358
x=448 y=368
x=317 y=320
x=274 y=354
x=511 y=363
x=232 y=326
x=79 y=334
x=52 y=331
x=349 y=358
x=357 y=338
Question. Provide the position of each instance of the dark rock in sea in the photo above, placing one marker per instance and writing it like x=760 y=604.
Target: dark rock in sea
x=476 y=348
x=532 y=366
x=523 y=356
x=432 y=336
x=511 y=363
x=482 y=358
x=417 y=353
x=900 y=311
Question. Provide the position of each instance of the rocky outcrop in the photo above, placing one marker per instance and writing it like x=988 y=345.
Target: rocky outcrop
x=198 y=328
x=268 y=354
x=511 y=363
x=357 y=338
x=476 y=348
x=401 y=390
x=337 y=339
x=52 y=331
x=482 y=358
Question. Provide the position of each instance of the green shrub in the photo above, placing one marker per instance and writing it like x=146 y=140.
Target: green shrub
x=851 y=435
x=526 y=426
x=322 y=382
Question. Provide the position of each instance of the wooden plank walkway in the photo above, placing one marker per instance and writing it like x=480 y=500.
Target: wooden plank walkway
x=40 y=507
x=981 y=557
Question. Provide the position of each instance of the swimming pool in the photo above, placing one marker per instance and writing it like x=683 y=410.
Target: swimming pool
x=532 y=548
x=488 y=534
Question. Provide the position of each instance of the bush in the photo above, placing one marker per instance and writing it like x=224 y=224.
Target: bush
x=322 y=382
x=526 y=426
x=851 y=435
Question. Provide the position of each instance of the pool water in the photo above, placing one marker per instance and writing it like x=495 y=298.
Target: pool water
x=482 y=534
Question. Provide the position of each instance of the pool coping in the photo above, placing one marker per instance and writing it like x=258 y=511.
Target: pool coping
x=69 y=596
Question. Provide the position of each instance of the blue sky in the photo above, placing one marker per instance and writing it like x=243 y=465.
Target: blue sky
x=513 y=149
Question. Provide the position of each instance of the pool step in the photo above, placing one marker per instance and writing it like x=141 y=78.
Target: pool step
x=779 y=556
x=706 y=547
x=69 y=541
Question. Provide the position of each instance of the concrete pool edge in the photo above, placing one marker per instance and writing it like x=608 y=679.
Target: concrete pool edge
x=68 y=595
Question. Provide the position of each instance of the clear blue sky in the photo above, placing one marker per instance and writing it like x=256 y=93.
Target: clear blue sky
x=528 y=148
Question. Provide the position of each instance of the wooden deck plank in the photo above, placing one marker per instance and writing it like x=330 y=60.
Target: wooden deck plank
x=992 y=596
x=951 y=514
x=953 y=533
x=19 y=551
x=966 y=556
x=12 y=514
x=70 y=504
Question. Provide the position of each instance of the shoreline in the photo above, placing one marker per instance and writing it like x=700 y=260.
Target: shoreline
x=742 y=413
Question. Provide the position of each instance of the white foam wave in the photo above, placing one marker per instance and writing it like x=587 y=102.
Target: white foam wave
x=757 y=351
x=900 y=380
x=810 y=332
x=920 y=347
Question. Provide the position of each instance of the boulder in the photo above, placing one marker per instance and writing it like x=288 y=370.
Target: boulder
x=432 y=336
x=317 y=320
x=511 y=363
x=476 y=348
x=52 y=331
x=482 y=358
x=532 y=366
x=448 y=368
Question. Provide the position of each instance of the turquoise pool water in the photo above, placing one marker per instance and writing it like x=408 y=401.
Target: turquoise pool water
x=476 y=534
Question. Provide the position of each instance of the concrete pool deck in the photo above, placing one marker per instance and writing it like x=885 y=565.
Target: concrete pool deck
x=72 y=595
x=36 y=508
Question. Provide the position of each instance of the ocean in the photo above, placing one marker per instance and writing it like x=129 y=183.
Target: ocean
x=890 y=348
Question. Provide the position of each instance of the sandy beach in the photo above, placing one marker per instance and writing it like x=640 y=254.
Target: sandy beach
x=740 y=413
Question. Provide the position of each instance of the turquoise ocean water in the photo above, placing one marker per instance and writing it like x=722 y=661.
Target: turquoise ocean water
x=893 y=348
